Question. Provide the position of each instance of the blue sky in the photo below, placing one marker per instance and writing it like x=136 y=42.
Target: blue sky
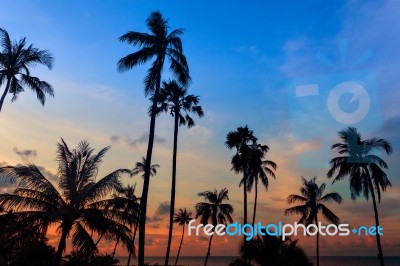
x=243 y=60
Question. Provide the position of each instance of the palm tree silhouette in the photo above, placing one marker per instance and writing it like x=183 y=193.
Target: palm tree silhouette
x=273 y=251
x=161 y=45
x=183 y=217
x=358 y=162
x=140 y=169
x=16 y=58
x=259 y=170
x=214 y=210
x=174 y=98
x=241 y=139
x=78 y=206
x=313 y=201
x=127 y=202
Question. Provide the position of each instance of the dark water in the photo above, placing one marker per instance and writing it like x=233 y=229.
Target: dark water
x=324 y=261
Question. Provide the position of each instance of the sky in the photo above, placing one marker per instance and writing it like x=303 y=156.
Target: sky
x=276 y=67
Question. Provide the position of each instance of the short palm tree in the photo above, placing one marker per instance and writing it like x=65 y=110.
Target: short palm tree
x=358 y=161
x=16 y=59
x=241 y=139
x=259 y=170
x=214 y=210
x=78 y=206
x=313 y=201
x=174 y=99
x=183 y=217
x=140 y=169
x=160 y=45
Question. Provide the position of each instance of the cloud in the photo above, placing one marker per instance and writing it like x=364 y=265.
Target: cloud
x=251 y=49
x=161 y=211
x=25 y=154
x=134 y=142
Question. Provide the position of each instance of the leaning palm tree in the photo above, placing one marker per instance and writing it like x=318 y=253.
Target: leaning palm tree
x=241 y=139
x=160 y=45
x=313 y=201
x=173 y=98
x=214 y=210
x=259 y=170
x=79 y=205
x=16 y=59
x=358 y=161
x=183 y=217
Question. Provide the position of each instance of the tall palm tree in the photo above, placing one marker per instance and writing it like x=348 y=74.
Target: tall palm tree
x=214 y=210
x=241 y=139
x=313 y=201
x=358 y=161
x=78 y=205
x=173 y=98
x=140 y=169
x=259 y=170
x=183 y=217
x=160 y=45
x=16 y=59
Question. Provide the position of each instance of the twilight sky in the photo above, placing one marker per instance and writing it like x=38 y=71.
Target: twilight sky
x=247 y=61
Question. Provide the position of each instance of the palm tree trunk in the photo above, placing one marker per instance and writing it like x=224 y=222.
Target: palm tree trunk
x=180 y=245
x=133 y=245
x=316 y=223
x=208 y=251
x=378 y=237
x=255 y=202
x=146 y=182
x=61 y=247
x=172 y=205
x=115 y=248
x=4 y=93
x=244 y=201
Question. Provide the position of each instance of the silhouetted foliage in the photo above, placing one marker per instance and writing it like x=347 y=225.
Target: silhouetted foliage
x=158 y=45
x=78 y=206
x=359 y=162
x=16 y=59
x=183 y=217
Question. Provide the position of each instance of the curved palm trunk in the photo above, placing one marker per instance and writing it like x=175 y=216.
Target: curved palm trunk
x=180 y=245
x=208 y=251
x=172 y=207
x=146 y=182
x=4 y=93
x=61 y=247
x=115 y=248
x=316 y=223
x=378 y=238
x=133 y=246
x=255 y=203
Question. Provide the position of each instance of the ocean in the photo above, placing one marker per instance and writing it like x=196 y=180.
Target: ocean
x=221 y=260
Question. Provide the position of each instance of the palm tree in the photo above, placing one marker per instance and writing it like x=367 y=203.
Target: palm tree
x=160 y=45
x=273 y=251
x=16 y=59
x=259 y=170
x=79 y=205
x=358 y=161
x=174 y=98
x=127 y=202
x=140 y=169
x=313 y=201
x=183 y=217
x=214 y=210
x=241 y=139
